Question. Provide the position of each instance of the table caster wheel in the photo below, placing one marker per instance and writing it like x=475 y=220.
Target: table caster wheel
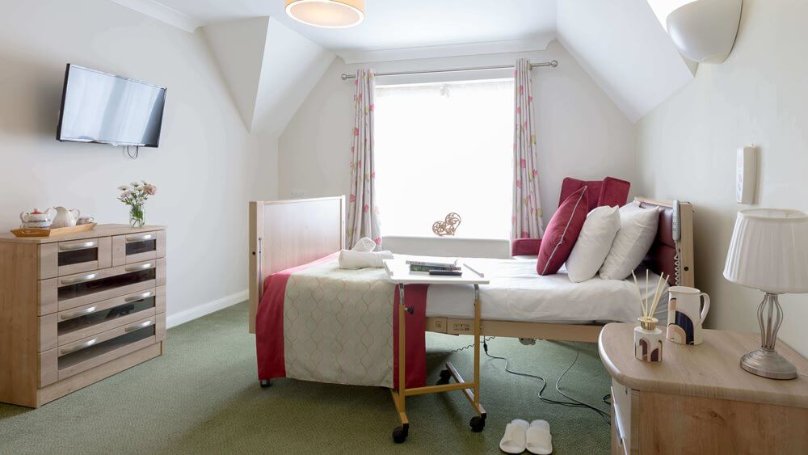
x=400 y=434
x=264 y=383
x=477 y=423
x=445 y=376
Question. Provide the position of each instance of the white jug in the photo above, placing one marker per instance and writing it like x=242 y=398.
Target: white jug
x=686 y=314
x=65 y=218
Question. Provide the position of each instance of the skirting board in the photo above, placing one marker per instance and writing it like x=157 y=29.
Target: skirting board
x=182 y=317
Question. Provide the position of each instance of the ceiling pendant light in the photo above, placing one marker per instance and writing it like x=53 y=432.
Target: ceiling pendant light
x=327 y=13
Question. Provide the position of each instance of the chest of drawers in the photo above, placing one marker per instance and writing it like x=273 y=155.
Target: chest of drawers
x=79 y=308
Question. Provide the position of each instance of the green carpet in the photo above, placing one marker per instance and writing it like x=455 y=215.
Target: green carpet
x=202 y=396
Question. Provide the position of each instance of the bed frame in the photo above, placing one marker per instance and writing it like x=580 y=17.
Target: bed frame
x=289 y=233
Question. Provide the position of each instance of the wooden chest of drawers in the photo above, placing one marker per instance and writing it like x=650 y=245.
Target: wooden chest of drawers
x=79 y=308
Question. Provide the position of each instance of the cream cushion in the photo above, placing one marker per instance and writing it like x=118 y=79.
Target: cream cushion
x=594 y=242
x=638 y=227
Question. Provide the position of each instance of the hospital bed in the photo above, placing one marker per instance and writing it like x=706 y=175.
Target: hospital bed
x=515 y=303
x=518 y=303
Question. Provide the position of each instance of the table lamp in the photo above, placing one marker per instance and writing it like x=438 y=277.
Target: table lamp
x=769 y=252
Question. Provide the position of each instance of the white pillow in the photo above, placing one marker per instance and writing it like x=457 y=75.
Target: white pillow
x=594 y=243
x=638 y=227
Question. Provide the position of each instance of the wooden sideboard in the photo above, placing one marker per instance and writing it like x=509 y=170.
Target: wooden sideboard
x=78 y=308
x=699 y=400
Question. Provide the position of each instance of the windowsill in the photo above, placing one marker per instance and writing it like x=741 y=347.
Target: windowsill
x=449 y=238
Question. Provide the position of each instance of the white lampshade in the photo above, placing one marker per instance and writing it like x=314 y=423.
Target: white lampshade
x=327 y=13
x=769 y=251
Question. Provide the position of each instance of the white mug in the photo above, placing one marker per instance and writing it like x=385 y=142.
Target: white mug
x=686 y=314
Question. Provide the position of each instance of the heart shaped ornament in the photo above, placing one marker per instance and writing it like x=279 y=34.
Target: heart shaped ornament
x=448 y=226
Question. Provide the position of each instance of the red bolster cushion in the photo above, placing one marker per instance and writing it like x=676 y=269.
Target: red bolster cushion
x=593 y=189
x=562 y=232
x=613 y=192
x=525 y=247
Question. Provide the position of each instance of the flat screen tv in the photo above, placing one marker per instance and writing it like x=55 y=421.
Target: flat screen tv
x=107 y=109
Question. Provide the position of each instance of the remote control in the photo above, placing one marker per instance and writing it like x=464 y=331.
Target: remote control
x=446 y=272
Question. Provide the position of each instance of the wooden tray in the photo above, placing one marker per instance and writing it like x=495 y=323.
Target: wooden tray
x=37 y=232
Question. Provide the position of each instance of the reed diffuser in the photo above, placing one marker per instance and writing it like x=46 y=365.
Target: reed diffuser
x=648 y=339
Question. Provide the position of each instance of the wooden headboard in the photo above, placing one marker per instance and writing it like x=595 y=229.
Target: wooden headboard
x=286 y=234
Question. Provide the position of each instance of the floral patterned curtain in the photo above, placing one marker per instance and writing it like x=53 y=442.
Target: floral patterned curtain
x=363 y=218
x=527 y=212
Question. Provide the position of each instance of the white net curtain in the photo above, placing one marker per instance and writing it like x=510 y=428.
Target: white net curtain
x=445 y=147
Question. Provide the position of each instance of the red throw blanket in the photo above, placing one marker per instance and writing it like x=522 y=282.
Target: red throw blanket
x=269 y=341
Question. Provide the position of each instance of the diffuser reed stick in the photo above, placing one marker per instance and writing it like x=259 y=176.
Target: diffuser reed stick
x=647 y=306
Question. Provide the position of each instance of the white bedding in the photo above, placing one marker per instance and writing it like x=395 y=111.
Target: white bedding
x=517 y=293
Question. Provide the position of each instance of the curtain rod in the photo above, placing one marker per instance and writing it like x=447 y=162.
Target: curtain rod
x=552 y=63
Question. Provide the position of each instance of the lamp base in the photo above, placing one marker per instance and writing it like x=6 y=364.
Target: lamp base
x=768 y=364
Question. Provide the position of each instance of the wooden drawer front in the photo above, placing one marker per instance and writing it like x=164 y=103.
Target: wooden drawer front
x=73 y=358
x=88 y=320
x=143 y=246
x=73 y=291
x=76 y=256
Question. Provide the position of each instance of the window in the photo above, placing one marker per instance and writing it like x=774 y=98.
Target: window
x=445 y=147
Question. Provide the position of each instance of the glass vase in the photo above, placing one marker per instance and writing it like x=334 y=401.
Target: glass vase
x=136 y=216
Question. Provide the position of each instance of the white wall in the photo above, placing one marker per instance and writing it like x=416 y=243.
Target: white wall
x=205 y=167
x=687 y=148
x=625 y=49
x=580 y=131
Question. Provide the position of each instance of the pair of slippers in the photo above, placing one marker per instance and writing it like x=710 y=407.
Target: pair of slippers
x=533 y=437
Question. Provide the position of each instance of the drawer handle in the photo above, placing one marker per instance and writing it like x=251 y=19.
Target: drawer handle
x=79 y=279
x=77 y=246
x=139 y=326
x=77 y=314
x=136 y=298
x=136 y=268
x=79 y=347
x=139 y=238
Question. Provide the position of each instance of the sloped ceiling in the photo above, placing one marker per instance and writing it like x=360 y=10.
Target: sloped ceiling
x=239 y=50
x=268 y=68
x=620 y=43
x=626 y=51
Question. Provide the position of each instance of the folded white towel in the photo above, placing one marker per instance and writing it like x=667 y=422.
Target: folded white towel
x=350 y=259
x=365 y=245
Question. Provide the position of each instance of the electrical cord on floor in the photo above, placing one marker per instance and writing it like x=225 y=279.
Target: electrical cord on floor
x=444 y=353
x=574 y=403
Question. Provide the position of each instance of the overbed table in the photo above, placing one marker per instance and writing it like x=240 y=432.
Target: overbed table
x=398 y=273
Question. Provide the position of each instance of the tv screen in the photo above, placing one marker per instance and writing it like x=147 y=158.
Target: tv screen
x=108 y=109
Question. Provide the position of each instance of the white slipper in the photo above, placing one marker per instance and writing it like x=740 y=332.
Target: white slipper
x=538 y=438
x=514 y=439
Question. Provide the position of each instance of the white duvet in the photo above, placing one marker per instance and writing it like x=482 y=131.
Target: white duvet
x=517 y=293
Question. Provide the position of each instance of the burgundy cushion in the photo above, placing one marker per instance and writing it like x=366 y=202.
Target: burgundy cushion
x=562 y=232
x=525 y=247
x=613 y=192
x=593 y=189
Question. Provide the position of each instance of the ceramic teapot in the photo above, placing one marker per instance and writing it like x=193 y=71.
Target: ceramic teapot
x=65 y=218
x=37 y=219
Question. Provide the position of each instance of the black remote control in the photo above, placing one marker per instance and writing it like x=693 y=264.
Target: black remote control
x=446 y=272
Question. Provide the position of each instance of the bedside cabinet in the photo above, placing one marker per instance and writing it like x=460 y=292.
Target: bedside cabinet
x=78 y=308
x=698 y=399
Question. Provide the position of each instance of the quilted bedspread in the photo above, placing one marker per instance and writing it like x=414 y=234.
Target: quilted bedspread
x=336 y=326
